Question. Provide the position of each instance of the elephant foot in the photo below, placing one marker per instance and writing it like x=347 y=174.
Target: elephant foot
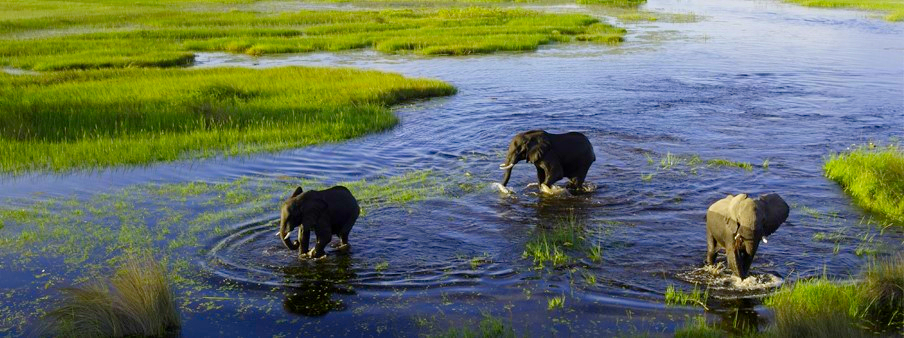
x=343 y=247
x=503 y=189
x=551 y=190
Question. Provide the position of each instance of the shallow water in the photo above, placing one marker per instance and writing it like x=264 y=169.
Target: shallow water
x=753 y=81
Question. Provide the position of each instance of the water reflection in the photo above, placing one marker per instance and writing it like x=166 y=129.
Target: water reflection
x=315 y=283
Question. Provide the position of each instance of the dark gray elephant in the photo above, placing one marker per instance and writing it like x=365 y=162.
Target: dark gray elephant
x=555 y=156
x=326 y=212
x=738 y=223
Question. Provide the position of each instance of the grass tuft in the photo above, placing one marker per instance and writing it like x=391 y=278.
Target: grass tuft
x=675 y=296
x=893 y=8
x=883 y=292
x=549 y=246
x=731 y=164
x=137 y=302
x=874 y=177
x=696 y=327
x=555 y=303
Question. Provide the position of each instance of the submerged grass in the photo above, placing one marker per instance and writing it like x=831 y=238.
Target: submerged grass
x=696 y=327
x=549 y=246
x=144 y=35
x=93 y=119
x=824 y=308
x=138 y=301
x=894 y=9
x=874 y=177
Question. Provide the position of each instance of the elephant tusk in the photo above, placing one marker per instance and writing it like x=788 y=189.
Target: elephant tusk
x=736 y=236
x=503 y=166
x=287 y=235
x=764 y=240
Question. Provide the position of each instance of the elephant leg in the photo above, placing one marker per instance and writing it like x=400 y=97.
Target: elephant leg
x=731 y=254
x=304 y=235
x=541 y=175
x=322 y=242
x=343 y=245
x=710 y=249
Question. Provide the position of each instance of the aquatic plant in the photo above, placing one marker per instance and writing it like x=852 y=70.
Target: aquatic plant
x=675 y=296
x=874 y=177
x=696 y=327
x=91 y=119
x=489 y=327
x=549 y=245
x=136 y=34
x=555 y=303
x=718 y=162
x=137 y=302
x=894 y=9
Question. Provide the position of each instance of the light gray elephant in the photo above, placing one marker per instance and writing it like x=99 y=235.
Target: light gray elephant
x=738 y=223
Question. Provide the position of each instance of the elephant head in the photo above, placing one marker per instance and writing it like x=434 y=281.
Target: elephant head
x=531 y=146
x=756 y=219
x=290 y=218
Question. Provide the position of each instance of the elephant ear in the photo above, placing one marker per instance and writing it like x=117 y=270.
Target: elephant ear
x=312 y=207
x=297 y=192
x=776 y=212
x=537 y=148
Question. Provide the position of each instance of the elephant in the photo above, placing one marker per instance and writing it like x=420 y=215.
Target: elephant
x=327 y=212
x=738 y=223
x=555 y=156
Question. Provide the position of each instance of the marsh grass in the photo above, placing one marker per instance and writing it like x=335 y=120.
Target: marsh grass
x=824 y=308
x=93 y=119
x=551 y=246
x=143 y=35
x=718 y=162
x=894 y=9
x=489 y=327
x=675 y=296
x=137 y=301
x=555 y=303
x=696 y=327
x=874 y=177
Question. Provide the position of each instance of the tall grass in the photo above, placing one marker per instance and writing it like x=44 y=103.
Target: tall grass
x=894 y=9
x=873 y=177
x=675 y=296
x=136 y=35
x=825 y=308
x=91 y=119
x=137 y=301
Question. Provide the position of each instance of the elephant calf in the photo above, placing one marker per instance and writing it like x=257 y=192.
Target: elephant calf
x=738 y=223
x=326 y=212
x=555 y=156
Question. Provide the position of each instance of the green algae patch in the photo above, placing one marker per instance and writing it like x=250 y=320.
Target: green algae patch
x=93 y=119
x=152 y=36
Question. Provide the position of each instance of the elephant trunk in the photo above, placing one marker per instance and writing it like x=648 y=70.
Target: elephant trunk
x=510 y=162
x=284 y=235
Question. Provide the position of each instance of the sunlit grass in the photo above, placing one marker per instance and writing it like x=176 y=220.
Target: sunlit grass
x=894 y=9
x=824 y=308
x=549 y=247
x=555 y=303
x=718 y=162
x=873 y=177
x=138 y=301
x=141 y=35
x=93 y=119
x=675 y=296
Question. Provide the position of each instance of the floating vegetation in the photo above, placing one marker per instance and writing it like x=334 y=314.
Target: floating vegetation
x=139 y=116
x=120 y=35
x=137 y=302
x=675 y=296
x=691 y=164
x=874 y=177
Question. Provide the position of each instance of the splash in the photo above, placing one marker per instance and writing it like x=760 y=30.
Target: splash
x=722 y=283
x=501 y=188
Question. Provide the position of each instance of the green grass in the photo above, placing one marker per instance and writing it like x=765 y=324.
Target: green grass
x=138 y=301
x=549 y=247
x=93 y=119
x=824 y=308
x=894 y=9
x=873 y=177
x=696 y=327
x=145 y=35
x=489 y=327
x=729 y=164
x=675 y=296
x=555 y=303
